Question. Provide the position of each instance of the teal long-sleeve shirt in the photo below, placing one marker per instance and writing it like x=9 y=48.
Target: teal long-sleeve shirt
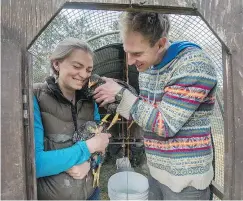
x=56 y=161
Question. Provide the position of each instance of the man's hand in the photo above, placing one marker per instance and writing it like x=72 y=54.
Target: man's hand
x=106 y=92
x=79 y=171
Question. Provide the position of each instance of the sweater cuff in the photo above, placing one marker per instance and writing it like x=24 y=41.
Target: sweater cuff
x=128 y=99
x=84 y=149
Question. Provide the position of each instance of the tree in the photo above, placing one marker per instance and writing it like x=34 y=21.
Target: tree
x=60 y=28
x=71 y=23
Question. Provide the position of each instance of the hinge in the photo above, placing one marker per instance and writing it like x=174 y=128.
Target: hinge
x=25 y=107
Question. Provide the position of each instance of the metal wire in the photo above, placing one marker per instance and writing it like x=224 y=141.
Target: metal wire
x=88 y=24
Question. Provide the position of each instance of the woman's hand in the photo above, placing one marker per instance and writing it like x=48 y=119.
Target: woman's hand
x=98 y=143
x=79 y=171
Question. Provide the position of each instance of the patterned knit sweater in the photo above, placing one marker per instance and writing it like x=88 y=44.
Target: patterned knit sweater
x=173 y=109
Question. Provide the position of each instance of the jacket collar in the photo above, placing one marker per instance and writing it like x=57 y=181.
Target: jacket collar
x=56 y=91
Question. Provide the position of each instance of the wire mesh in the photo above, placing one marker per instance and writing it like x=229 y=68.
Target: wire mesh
x=218 y=137
x=86 y=24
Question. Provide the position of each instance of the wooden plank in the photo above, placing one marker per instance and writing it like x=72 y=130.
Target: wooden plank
x=99 y=5
x=228 y=124
x=181 y=7
x=114 y=2
x=27 y=83
x=13 y=163
x=237 y=72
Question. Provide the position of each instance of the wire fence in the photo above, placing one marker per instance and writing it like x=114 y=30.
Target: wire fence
x=92 y=25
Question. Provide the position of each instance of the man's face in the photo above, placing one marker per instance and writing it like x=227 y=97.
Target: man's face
x=139 y=51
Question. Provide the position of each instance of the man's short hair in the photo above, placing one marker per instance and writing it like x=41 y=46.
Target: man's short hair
x=151 y=25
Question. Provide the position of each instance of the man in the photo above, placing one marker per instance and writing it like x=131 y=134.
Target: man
x=177 y=84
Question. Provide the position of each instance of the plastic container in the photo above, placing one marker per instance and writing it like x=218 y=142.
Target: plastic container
x=128 y=185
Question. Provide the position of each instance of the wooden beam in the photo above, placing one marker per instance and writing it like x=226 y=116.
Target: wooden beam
x=13 y=181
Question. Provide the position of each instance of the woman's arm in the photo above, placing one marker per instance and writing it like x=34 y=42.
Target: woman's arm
x=56 y=161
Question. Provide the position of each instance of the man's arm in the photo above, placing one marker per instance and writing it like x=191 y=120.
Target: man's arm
x=189 y=86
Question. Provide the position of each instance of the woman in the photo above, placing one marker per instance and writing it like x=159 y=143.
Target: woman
x=62 y=168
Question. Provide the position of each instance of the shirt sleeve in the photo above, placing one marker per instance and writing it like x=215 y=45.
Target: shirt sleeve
x=55 y=161
x=190 y=86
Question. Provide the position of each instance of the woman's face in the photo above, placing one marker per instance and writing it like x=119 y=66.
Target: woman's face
x=74 y=70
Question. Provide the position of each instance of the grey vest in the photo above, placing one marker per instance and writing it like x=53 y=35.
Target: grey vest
x=58 y=118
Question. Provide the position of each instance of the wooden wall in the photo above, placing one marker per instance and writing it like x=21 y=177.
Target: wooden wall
x=23 y=19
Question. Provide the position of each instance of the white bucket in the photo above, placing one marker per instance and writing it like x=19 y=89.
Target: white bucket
x=128 y=186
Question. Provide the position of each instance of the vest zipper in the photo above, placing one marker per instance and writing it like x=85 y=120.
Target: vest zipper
x=74 y=116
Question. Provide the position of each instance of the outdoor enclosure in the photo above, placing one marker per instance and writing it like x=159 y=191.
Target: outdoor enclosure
x=100 y=29
x=30 y=31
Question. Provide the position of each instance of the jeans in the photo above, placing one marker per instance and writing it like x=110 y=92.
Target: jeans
x=158 y=191
x=95 y=195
